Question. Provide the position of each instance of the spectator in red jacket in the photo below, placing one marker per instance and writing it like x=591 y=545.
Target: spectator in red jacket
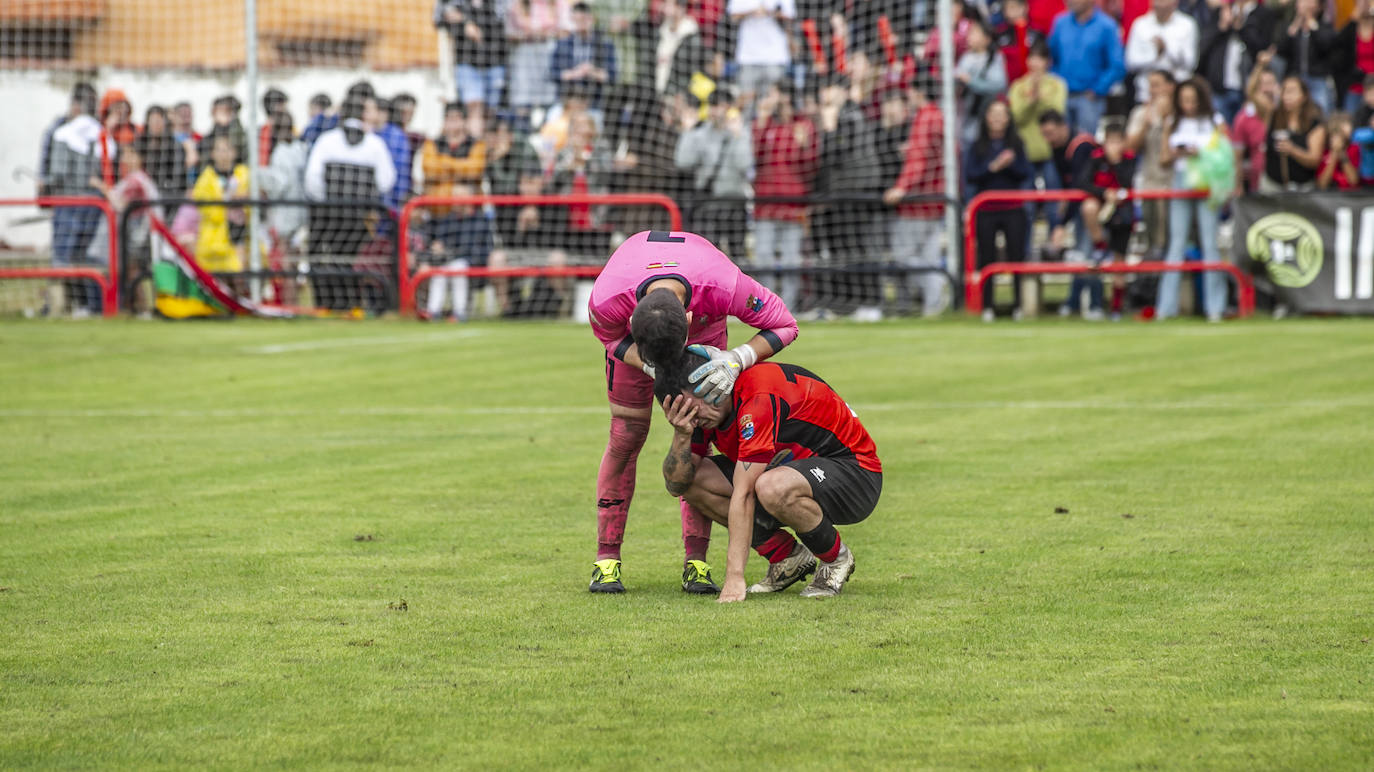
x=1356 y=44
x=273 y=102
x=1015 y=36
x=117 y=116
x=1041 y=14
x=918 y=229
x=785 y=152
x=1340 y=164
x=1250 y=130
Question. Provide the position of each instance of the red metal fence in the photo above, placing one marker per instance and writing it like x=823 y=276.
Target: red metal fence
x=407 y=283
x=974 y=277
x=107 y=280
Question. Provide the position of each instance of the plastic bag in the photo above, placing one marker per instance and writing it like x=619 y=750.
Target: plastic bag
x=1213 y=169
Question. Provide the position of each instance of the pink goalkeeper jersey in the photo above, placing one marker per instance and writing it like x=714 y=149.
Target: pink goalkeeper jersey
x=716 y=289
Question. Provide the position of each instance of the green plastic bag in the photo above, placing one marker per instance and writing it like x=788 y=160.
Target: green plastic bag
x=1213 y=169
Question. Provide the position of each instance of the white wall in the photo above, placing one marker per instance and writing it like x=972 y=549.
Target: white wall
x=33 y=99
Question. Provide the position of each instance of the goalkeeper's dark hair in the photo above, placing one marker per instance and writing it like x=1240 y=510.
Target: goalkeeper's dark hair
x=659 y=327
x=671 y=379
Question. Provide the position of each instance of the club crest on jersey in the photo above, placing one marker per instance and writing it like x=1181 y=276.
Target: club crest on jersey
x=746 y=426
x=656 y=266
x=754 y=303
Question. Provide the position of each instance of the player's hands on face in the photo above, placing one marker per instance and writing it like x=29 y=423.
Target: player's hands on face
x=681 y=412
x=715 y=380
x=733 y=591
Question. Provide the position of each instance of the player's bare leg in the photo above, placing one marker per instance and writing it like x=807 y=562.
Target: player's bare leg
x=710 y=493
x=787 y=495
x=1090 y=209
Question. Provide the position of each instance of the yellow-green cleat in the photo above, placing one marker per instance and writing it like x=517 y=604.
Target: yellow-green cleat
x=696 y=578
x=606 y=576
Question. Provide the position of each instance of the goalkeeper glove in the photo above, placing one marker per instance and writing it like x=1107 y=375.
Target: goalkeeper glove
x=716 y=379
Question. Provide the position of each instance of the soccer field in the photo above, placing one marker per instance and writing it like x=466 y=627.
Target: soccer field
x=317 y=544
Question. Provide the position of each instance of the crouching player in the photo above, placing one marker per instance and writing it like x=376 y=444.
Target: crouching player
x=791 y=453
x=658 y=292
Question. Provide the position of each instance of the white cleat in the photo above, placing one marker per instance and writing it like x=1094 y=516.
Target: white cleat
x=830 y=577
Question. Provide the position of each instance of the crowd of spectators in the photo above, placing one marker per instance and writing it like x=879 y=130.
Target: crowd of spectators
x=794 y=132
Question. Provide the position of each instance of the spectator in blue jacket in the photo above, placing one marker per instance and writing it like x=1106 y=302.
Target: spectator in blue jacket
x=398 y=145
x=1086 y=47
x=586 y=55
x=1363 y=138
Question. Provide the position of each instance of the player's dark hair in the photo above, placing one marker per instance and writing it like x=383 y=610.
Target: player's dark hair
x=659 y=327
x=671 y=379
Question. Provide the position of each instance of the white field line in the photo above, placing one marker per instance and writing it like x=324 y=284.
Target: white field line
x=382 y=340
x=546 y=410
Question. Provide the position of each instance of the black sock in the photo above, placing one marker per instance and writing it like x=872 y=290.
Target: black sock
x=823 y=540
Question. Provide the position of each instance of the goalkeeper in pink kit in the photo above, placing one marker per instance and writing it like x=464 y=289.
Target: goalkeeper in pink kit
x=660 y=291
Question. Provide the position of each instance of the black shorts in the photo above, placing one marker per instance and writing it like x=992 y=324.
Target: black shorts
x=1119 y=238
x=847 y=492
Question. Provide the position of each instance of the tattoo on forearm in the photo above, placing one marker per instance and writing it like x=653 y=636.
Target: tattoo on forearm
x=677 y=470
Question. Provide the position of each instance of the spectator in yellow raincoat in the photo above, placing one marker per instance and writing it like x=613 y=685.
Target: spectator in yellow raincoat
x=222 y=229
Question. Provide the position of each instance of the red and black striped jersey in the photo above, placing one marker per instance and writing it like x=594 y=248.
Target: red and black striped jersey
x=781 y=406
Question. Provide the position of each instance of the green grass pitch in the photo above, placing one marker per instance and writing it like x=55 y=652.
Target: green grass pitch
x=319 y=544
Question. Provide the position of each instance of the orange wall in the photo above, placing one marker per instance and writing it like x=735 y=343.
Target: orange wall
x=209 y=33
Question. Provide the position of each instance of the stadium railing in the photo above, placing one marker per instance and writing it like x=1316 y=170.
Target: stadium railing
x=409 y=280
x=107 y=279
x=862 y=262
x=974 y=277
x=344 y=277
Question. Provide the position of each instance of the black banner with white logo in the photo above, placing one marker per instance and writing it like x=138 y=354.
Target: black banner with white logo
x=1317 y=248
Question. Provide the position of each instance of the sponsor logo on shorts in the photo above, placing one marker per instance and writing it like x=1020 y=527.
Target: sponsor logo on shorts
x=818 y=474
x=746 y=427
x=754 y=303
x=657 y=266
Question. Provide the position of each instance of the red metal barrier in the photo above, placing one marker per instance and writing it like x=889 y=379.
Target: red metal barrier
x=406 y=283
x=974 y=278
x=108 y=282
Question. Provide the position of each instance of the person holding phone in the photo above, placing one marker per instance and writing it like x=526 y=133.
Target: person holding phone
x=1187 y=132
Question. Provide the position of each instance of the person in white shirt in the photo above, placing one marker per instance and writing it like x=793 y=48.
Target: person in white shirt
x=761 y=48
x=1186 y=133
x=1162 y=40
x=351 y=164
x=351 y=150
